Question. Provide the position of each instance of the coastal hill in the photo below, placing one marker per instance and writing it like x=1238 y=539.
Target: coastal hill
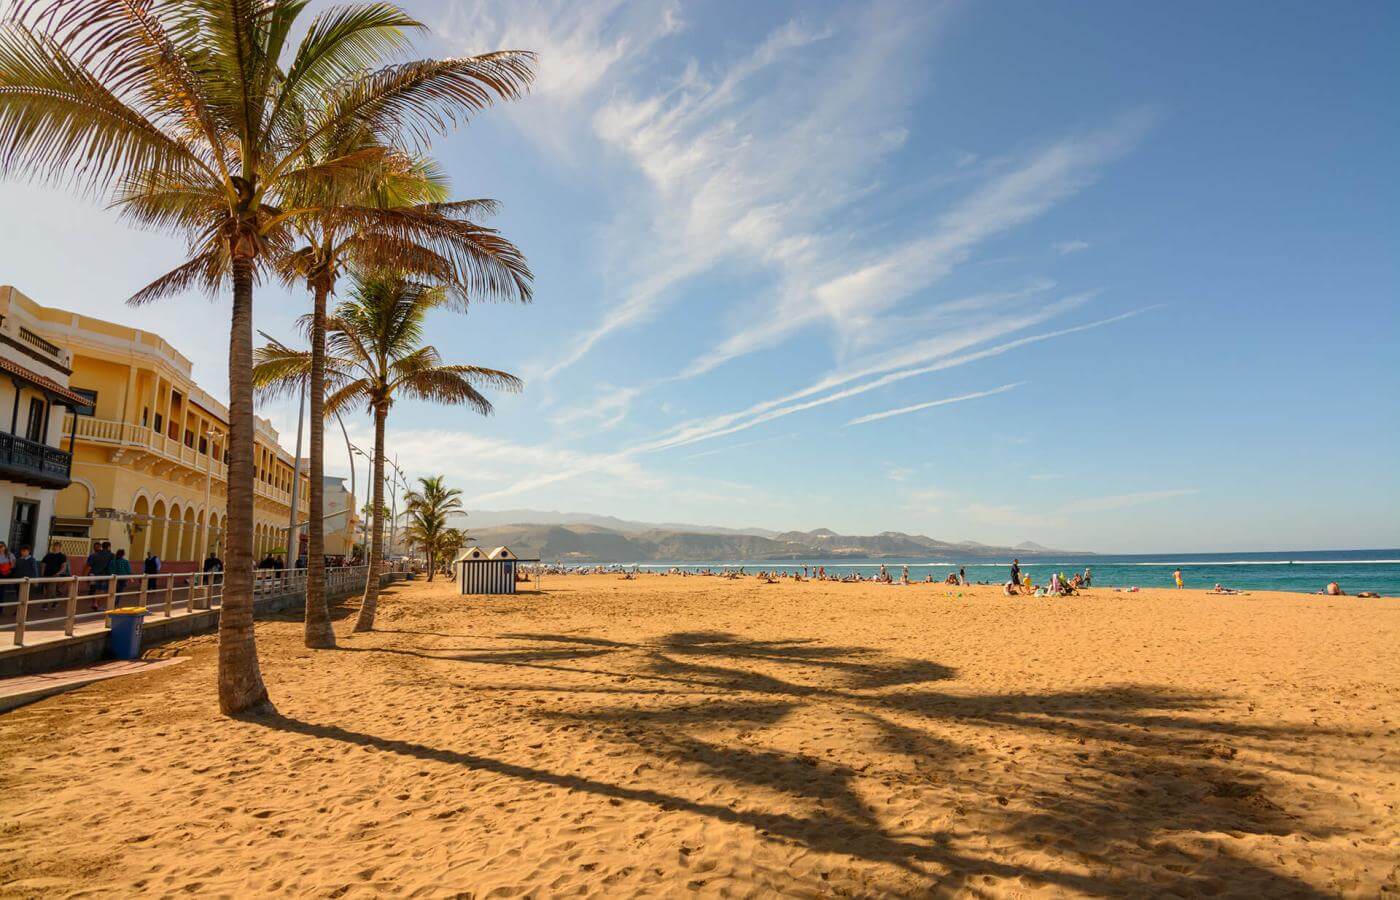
x=585 y=542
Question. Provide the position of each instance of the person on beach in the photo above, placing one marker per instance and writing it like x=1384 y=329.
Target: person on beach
x=1016 y=572
x=121 y=566
x=904 y=575
x=1177 y=577
x=1088 y=578
x=962 y=576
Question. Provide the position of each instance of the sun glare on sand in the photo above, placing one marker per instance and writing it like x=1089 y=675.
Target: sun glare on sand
x=670 y=736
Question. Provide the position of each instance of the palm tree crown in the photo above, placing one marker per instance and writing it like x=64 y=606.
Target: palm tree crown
x=374 y=355
x=202 y=118
x=428 y=510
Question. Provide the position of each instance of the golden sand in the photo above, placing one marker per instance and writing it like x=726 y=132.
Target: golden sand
x=669 y=737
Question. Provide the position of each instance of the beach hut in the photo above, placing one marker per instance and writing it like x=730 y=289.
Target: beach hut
x=482 y=572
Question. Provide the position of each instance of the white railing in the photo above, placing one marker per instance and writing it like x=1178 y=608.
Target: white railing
x=31 y=604
x=128 y=434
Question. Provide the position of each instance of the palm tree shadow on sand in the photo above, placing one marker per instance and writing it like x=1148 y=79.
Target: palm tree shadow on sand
x=1116 y=774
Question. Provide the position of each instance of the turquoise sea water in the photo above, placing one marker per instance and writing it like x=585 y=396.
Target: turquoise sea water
x=1304 y=571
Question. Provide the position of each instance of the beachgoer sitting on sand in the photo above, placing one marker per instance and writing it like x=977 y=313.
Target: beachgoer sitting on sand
x=1334 y=589
x=951 y=579
x=1009 y=589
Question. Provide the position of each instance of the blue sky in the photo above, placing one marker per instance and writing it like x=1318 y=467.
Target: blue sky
x=1119 y=277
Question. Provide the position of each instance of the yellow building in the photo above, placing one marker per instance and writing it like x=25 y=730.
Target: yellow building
x=148 y=469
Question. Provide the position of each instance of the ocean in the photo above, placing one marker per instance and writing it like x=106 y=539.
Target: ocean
x=1304 y=571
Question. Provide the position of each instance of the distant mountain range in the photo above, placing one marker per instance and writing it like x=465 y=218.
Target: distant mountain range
x=480 y=518
x=582 y=537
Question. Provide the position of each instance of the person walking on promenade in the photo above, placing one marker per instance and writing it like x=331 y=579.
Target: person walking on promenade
x=121 y=566
x=99 y=562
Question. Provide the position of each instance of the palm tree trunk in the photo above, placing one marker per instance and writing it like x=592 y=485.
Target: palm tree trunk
x=240 y=680
x=432 y=565
x=318 y=632
x=365 y=621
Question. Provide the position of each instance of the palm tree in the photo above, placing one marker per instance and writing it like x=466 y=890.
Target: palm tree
x=442 y=546
x=374 y=355
x=428 y=509
x=187 y=114
x=401 y=219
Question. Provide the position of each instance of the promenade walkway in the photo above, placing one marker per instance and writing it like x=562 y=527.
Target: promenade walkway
x=22 y=689
x=49 y=623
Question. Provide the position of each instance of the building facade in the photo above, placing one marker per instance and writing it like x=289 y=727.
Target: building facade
x=340 y=517
x=34 y=463
x=149 y=449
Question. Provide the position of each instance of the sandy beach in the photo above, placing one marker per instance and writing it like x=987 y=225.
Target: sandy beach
x=671 y=736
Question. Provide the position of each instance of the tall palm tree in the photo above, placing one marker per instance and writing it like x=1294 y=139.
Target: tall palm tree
x=199 y=117
x=374 y=355
x=400 y=218
x=442 y=545
x=428 y=509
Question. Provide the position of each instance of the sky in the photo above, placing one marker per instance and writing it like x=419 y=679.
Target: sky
x=1113 y=277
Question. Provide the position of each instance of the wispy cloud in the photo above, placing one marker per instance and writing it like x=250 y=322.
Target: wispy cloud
x=926 y=500
x=904 y=410
x=705 y=140
x=1123 y=501
x=824 y=282
x=1065 y=248
x=942 y=356
x=607 y=411
x=1060 y=514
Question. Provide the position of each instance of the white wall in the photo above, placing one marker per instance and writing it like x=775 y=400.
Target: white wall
x=9 y=492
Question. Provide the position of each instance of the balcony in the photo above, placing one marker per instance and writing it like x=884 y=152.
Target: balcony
x=30 y=462
x=124 y=437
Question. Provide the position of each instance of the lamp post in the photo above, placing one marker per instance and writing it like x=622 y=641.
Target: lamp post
x=293 y=542
x=208 y=483
x=394 y=500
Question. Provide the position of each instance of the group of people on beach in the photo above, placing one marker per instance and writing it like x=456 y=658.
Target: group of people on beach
x=1020 y=583
x=1060 y=585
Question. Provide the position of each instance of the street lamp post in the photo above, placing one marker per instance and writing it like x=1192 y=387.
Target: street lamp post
x=208 y=483
x=394 y=501
x=293 y=542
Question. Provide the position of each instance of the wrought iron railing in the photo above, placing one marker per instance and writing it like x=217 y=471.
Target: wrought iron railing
x=24 y=460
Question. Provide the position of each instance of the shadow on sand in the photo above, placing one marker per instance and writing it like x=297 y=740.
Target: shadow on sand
x=1117 y=772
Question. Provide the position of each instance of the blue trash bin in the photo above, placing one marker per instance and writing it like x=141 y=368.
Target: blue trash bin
x=124 y=640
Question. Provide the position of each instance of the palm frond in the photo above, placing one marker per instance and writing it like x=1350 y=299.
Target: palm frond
x=206 y=272
x=279 y=370
x=341 y=43
x=59 y=122
x=411 y=102
x=350 y=395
